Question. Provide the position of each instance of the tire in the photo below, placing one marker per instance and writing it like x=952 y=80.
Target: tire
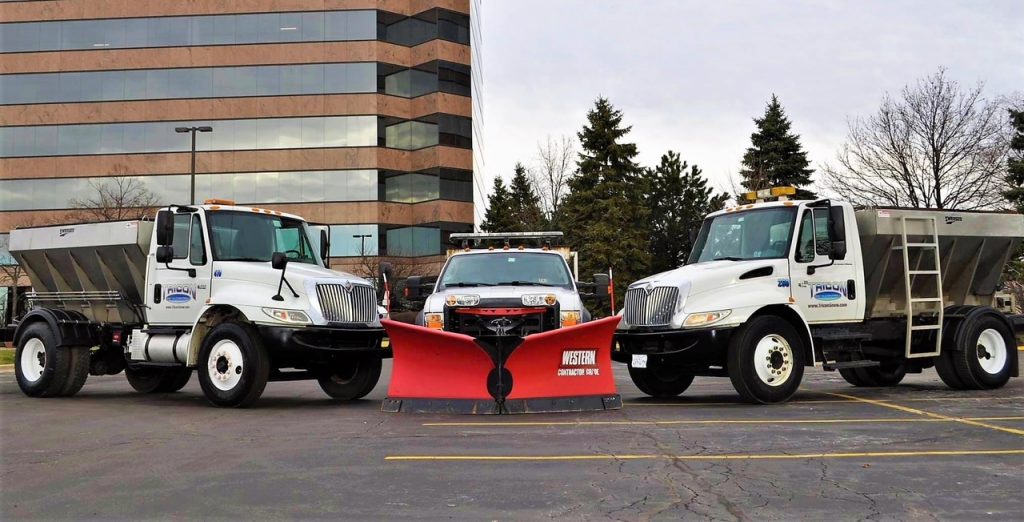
x=157 y=380
x=353 y=379
x=986 y=347
x=852 y=376
x=78 y=370
x=41 y=367
x=233 y=365
x=766 y=360
x=886 y=374
x=660 y=382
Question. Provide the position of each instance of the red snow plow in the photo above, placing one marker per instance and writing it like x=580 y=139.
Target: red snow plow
x=563 y=370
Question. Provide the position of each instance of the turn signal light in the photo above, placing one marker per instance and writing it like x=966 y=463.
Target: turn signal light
x=570 y=319
x=434 y=321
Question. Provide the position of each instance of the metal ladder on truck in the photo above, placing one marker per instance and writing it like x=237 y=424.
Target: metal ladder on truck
x=908 y=279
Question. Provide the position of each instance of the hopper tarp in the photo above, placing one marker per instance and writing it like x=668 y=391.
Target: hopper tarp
x=568 y=369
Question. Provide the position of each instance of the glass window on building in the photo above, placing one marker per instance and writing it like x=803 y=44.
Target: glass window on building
x=348 y=240
x=414 y=241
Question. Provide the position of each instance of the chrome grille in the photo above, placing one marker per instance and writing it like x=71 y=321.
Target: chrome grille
x=652 y=308
x=355 y=305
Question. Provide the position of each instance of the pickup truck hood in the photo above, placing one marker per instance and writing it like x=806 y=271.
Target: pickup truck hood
x=567 y=299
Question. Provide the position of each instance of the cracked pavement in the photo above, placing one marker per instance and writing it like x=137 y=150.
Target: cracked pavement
x=112 y=453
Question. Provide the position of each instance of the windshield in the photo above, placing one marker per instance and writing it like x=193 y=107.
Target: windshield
x=506 y=268
x=245 y=236
x=739 y=236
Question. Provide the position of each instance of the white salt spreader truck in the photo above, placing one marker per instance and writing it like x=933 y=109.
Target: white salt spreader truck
x=239 y=294
x=875 y=293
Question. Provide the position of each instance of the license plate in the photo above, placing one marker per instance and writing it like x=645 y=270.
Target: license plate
x=639 y=361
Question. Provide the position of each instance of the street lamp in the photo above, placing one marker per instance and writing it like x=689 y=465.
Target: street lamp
x=362 y=242
x=192 y=173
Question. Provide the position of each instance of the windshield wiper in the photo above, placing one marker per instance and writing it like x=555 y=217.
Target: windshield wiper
x=468 y=283
x=523 y=283
x=729 y=258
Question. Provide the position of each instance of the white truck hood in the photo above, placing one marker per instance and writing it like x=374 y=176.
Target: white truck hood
x=702 y=277
x=567 y=299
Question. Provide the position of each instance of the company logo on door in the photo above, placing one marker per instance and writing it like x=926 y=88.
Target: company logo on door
x=578 y=363
x=830 y=291
x=179 y=293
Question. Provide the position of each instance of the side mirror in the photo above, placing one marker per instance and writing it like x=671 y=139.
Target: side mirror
x=601 y=283
x=164 y=254
x=838 y=250
x=164 y=228
x=279 y=260
x=325 y=248
x=414 y=288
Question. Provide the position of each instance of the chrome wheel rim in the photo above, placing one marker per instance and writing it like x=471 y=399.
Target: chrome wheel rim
x=992 y=352
x=773 y=360
x=33 y=359
x=225 y=365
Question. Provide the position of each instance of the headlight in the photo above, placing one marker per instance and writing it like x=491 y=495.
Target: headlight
x=539 y=299
x=570 y=318
x=287 y=316
x=434 y=321
x=462 y=300
x=705 y=318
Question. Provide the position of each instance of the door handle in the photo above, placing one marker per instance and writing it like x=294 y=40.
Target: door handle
x=156 y=293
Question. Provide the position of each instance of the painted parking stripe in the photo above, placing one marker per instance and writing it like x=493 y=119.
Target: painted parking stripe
x=821 y=401
x=774 y=456
x=708 y=422
x=908 y=409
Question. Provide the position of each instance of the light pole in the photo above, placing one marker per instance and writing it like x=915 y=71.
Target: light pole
x=192 y=173
x=362 y=242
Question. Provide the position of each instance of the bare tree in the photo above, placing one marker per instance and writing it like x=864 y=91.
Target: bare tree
x=114 y=198
x=556 y=159
x=936 y=145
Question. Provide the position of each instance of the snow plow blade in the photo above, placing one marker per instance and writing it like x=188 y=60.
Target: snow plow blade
x=563 y=370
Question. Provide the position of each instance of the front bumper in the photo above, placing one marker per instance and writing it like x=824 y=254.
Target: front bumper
x=698 y=348
x=309 y=340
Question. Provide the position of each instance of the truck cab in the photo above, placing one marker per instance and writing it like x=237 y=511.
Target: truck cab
x=515 y=290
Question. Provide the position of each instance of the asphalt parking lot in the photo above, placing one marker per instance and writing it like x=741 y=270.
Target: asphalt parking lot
x=917 y=451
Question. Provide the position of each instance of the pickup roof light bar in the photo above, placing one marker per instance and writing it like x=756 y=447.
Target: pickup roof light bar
x=777 y=192
x=505 y=237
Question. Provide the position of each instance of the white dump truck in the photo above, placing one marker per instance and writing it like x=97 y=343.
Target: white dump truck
x=772 y=287
x=242 y=295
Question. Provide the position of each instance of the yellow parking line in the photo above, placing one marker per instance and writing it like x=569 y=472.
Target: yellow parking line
x=777 y=456
x=700 y=422
x=813 y=401
x=908 y=409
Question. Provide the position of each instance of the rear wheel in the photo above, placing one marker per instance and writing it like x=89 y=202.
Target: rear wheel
x=661 y=381
x=984 y=358
x=78 y=370
x=157 y=380
x=233 y=365
x=42 y=367
x=886 y=374
x=352 y=379
x=766 y=360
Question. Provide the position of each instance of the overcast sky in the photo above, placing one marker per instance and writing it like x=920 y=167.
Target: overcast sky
x=689 y=76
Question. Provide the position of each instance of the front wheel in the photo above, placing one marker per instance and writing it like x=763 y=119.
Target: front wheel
x=352 y=379
x=662 y=382
x=766 y=360
x=233 y=365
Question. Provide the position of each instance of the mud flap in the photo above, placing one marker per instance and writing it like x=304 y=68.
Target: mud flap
x=558 y=371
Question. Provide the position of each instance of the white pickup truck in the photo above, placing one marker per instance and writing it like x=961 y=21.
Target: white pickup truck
x=772 y=287
x=242 y=295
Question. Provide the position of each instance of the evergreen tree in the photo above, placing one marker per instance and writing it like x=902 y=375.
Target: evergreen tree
x=678 y=199
x=775 y=157
x=524 y=203
x=604 y=216
x=498 y=217
x=1015 y=165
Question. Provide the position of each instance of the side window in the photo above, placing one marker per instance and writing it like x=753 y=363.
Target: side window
x=197 y=249
x=822 y=241
x=805 y=242
x=180 y=244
